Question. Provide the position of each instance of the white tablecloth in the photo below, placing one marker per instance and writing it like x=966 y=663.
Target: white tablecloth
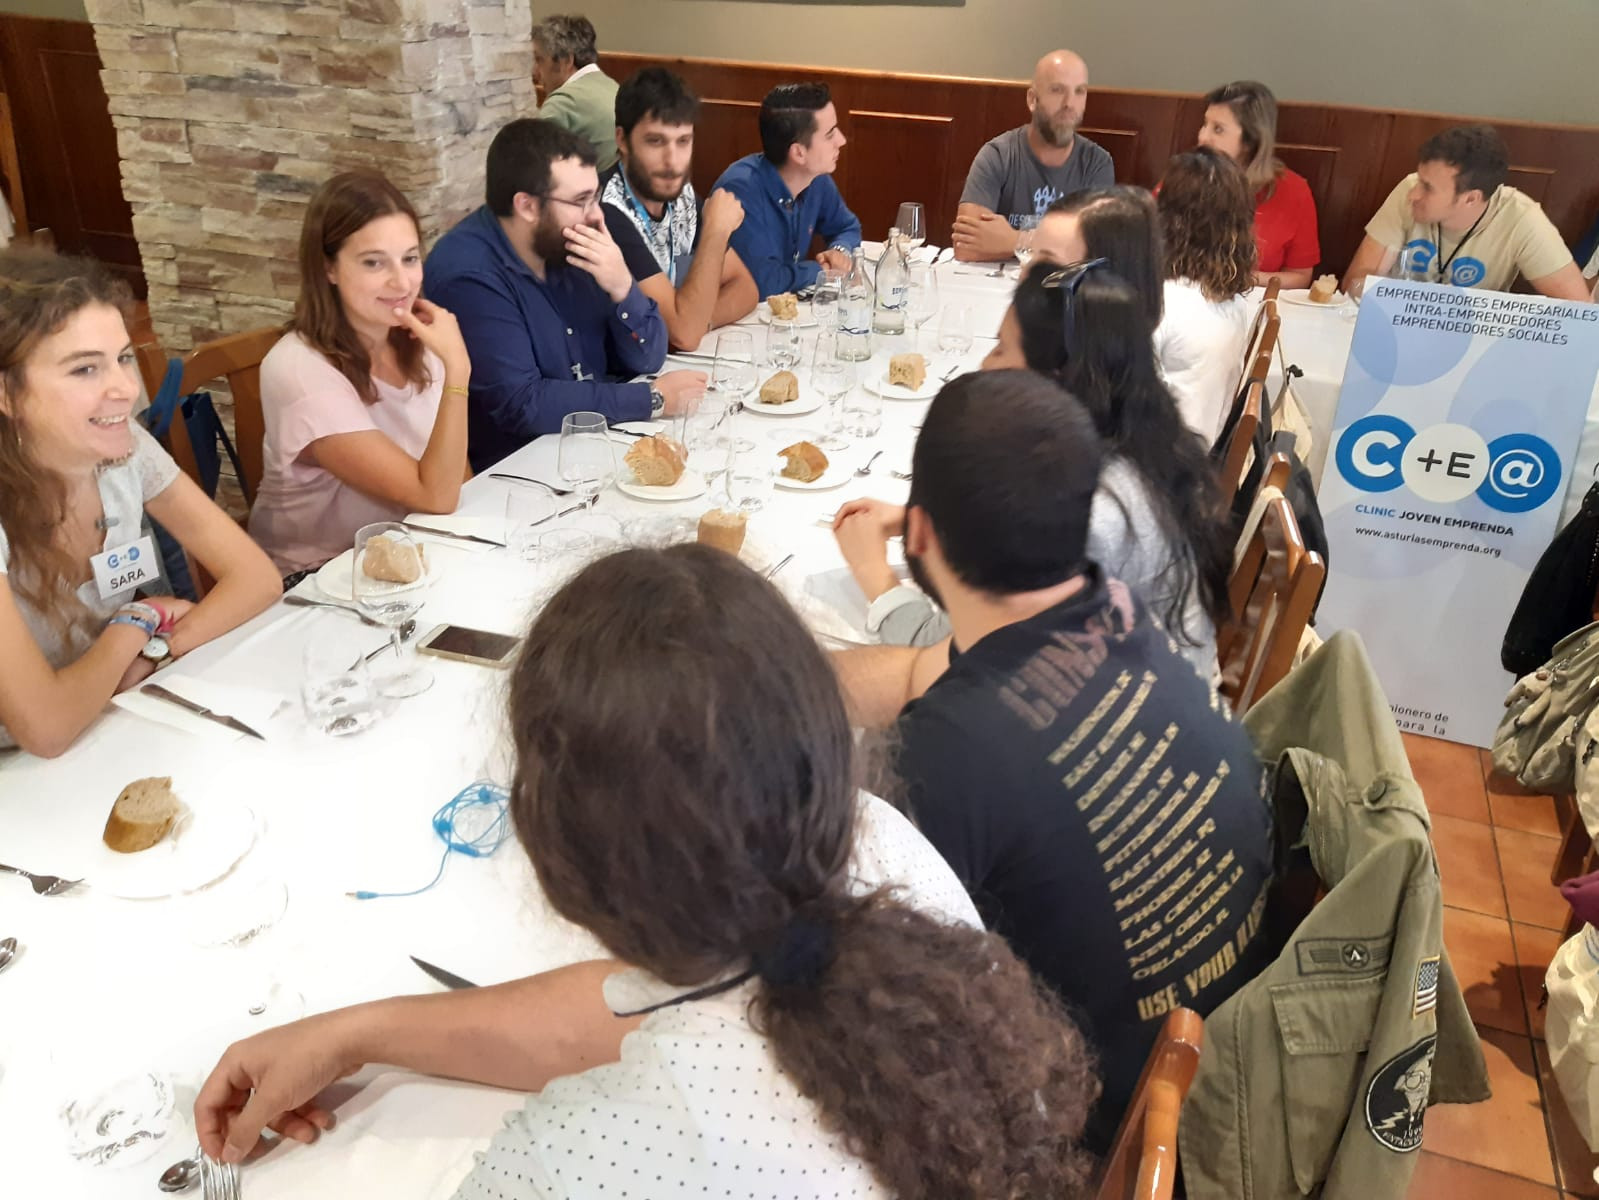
x=105 y=987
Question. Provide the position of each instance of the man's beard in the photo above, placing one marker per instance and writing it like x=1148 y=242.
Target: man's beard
x=1051 y=132
x=921 y=578
x=549 y=241
x=644 y=186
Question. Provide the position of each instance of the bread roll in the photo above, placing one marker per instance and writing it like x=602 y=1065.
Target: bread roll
x=784 y=306
x=806 y=462
x=724 y=530
x=782 y=388
x=656 y=461
x=142 y=815
x=1324 y=289
x=908 y=371
x=393 y=561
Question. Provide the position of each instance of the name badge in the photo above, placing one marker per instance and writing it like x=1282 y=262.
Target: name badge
x=123 y=568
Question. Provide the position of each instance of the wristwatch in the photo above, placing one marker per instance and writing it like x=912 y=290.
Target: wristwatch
x=157 y=652
x=657 y=401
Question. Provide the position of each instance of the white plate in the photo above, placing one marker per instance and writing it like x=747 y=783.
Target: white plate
x=207 y=842
x=336 y=577
x=879 y=385
x=809 y=401
x=1302 y=296
x=804 y=318
x=689 y=485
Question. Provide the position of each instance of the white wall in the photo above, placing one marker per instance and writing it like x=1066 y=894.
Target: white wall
x=1517 y=59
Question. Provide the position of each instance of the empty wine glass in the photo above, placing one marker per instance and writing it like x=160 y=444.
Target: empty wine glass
x=393 y=596
x=750 y=479
x=528 y=505
x=832 y=378
x=585 y=457
x=235 y=915
x=912 y=225
x=955 y=329
x=921 y=299
x=735 y=375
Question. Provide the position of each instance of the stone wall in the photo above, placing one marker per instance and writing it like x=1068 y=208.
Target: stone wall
x=229 y=114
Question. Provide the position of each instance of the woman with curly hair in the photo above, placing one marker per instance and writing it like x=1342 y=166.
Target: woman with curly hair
x=1207 y=218
x=796 y=1024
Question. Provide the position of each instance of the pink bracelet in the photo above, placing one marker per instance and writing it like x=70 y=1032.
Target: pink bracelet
x=167 y=619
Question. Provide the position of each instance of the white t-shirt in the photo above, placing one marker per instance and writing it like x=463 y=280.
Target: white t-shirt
x=698 y=1106
x=125 y=488
x=1199 y=345
x=303 y=515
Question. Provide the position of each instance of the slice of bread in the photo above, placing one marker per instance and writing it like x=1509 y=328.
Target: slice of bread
x=656 y=461
x=142 y=815
x=908 y=371
x=806 y=462
x=393 y=561
x=782 y=388
x=784 y=306
x=724 y=530
x=1324 y=289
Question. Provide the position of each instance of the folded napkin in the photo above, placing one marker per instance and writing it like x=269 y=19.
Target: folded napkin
x=872 y=251
x=254 y=706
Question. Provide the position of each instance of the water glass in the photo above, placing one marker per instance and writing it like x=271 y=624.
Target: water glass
x=586 y=457
x=912 y=224
x=124 y=1122
x=751 y=477
x=782 y=345
x=236 y=916
x=955 y=329
x=863 y=413
x=832 y=378
x=825 y=298
x=921 y=300
x=527 y=506
x=337 y=687
x=392 y=603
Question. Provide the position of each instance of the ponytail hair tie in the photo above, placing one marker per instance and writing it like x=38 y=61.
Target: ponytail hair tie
x=799 y=955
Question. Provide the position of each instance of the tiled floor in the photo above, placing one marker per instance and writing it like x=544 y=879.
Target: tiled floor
x=1502 y=917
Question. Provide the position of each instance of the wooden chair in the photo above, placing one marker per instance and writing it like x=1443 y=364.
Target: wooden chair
x=1235 y=458
x=1273 y=592
x=152 y=369
x=11 y=170
x=1262 y=340
x=1274 y=287
x=1142 y=1164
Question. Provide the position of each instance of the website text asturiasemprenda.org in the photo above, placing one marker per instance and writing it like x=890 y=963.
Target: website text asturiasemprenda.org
x=1461 y=525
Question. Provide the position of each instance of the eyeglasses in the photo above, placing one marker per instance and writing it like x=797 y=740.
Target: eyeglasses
x=1070 y=278
x=582 y=204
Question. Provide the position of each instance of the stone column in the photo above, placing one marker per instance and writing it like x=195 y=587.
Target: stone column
x=229 y=114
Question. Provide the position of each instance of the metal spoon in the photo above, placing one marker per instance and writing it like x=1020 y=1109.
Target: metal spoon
x=407 y=629
x=8 y=951
x=180 y=1176
x=863 y=471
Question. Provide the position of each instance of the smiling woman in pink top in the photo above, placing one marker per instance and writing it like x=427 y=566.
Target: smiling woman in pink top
x=365 y=396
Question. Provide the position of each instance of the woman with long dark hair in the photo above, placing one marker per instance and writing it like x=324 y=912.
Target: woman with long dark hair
x=685 y=788
x=80 y=617
x=365 y=396
x=1157 y=521
x=1207 y=219
x=1118 y=224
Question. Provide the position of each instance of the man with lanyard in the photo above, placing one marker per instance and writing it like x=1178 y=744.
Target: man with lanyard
x=548 y=310
x=677 y=250
x=1457 y=221
x=788 y=192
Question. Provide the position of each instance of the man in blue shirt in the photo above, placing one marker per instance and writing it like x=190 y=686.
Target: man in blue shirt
x=547 y=307
x=788 y=193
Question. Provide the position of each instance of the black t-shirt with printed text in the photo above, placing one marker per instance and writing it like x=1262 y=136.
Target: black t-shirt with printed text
x=1106 y=813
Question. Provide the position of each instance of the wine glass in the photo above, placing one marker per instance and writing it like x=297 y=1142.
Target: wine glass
x=528 y=506
x=825 y=298
x=912 y=225
x=955 y=329
x=585 y=457
x=734 y=375
x=832 y=378
x=750 y=479
x=782 y=345
x=337 y=688
x=393 y=601
x=921 y=298
x=235 y=915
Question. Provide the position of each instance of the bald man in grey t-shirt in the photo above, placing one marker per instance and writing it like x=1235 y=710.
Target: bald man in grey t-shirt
x=1019 y=174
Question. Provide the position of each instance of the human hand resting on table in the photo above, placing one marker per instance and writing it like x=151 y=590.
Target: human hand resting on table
x=862 y=529
x=271 y=1081
x=835 y=260
x=983 y=237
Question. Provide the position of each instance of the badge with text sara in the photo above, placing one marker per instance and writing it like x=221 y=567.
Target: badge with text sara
x=123 y=568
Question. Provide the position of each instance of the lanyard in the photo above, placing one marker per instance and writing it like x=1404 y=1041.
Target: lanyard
x=651 y=229
x=1438 y=233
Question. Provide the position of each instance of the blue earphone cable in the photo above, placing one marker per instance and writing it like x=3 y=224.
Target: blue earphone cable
x=474 y=822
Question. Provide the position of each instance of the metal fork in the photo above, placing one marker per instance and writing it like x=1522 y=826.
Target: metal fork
x=218 y=1181
x=524 y=479
x=43 y=885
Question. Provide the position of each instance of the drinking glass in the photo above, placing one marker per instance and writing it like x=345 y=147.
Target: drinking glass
x=782 y=345
x=690 y=400
x=825 y=298
x=559 y=555
x=586 y=458
x=750 y=479
x=527 y=506
x=392 y=604
x=832 y=378
x=124 y=1122
x=337 y=687
x=734 y=375
x=921 y=299
x=235 y=915
x=955 y=329
x=912 y=224
x=863 y=413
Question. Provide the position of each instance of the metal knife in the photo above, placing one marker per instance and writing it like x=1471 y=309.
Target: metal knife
x=199 y=710
x=447 y=978
x=445 y=533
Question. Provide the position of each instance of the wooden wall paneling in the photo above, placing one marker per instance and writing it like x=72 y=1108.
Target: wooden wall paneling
x=66 y=141
x=11 y=169
x=727 y=131
x=895 y=157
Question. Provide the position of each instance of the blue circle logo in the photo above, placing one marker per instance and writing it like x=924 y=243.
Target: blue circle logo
x=1523 y=473
x=1368 y=455
x=1467 y=272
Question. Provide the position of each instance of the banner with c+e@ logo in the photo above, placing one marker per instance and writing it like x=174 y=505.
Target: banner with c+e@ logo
x=1451 y=453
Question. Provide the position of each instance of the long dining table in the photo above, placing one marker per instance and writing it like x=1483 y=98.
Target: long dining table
x=141 y=978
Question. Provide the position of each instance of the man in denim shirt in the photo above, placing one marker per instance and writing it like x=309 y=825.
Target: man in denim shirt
x=788 y=193
x=548 y=310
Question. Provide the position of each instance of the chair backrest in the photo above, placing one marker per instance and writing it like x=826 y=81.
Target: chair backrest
x=237 y=358
x=1262 y=340
x=1142 y=1164
x=1272 y=593
x=1274 y=286
x=152 y=369
x=1235 y=457
x=11 y=170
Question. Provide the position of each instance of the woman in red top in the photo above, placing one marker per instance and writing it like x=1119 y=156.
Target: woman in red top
x=1241 y=122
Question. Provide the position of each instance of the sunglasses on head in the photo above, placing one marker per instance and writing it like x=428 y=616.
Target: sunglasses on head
x=1070 y=278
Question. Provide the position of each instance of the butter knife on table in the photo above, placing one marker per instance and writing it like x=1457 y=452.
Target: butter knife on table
x=199 y=710
x=448 y=978
x=450 y=533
